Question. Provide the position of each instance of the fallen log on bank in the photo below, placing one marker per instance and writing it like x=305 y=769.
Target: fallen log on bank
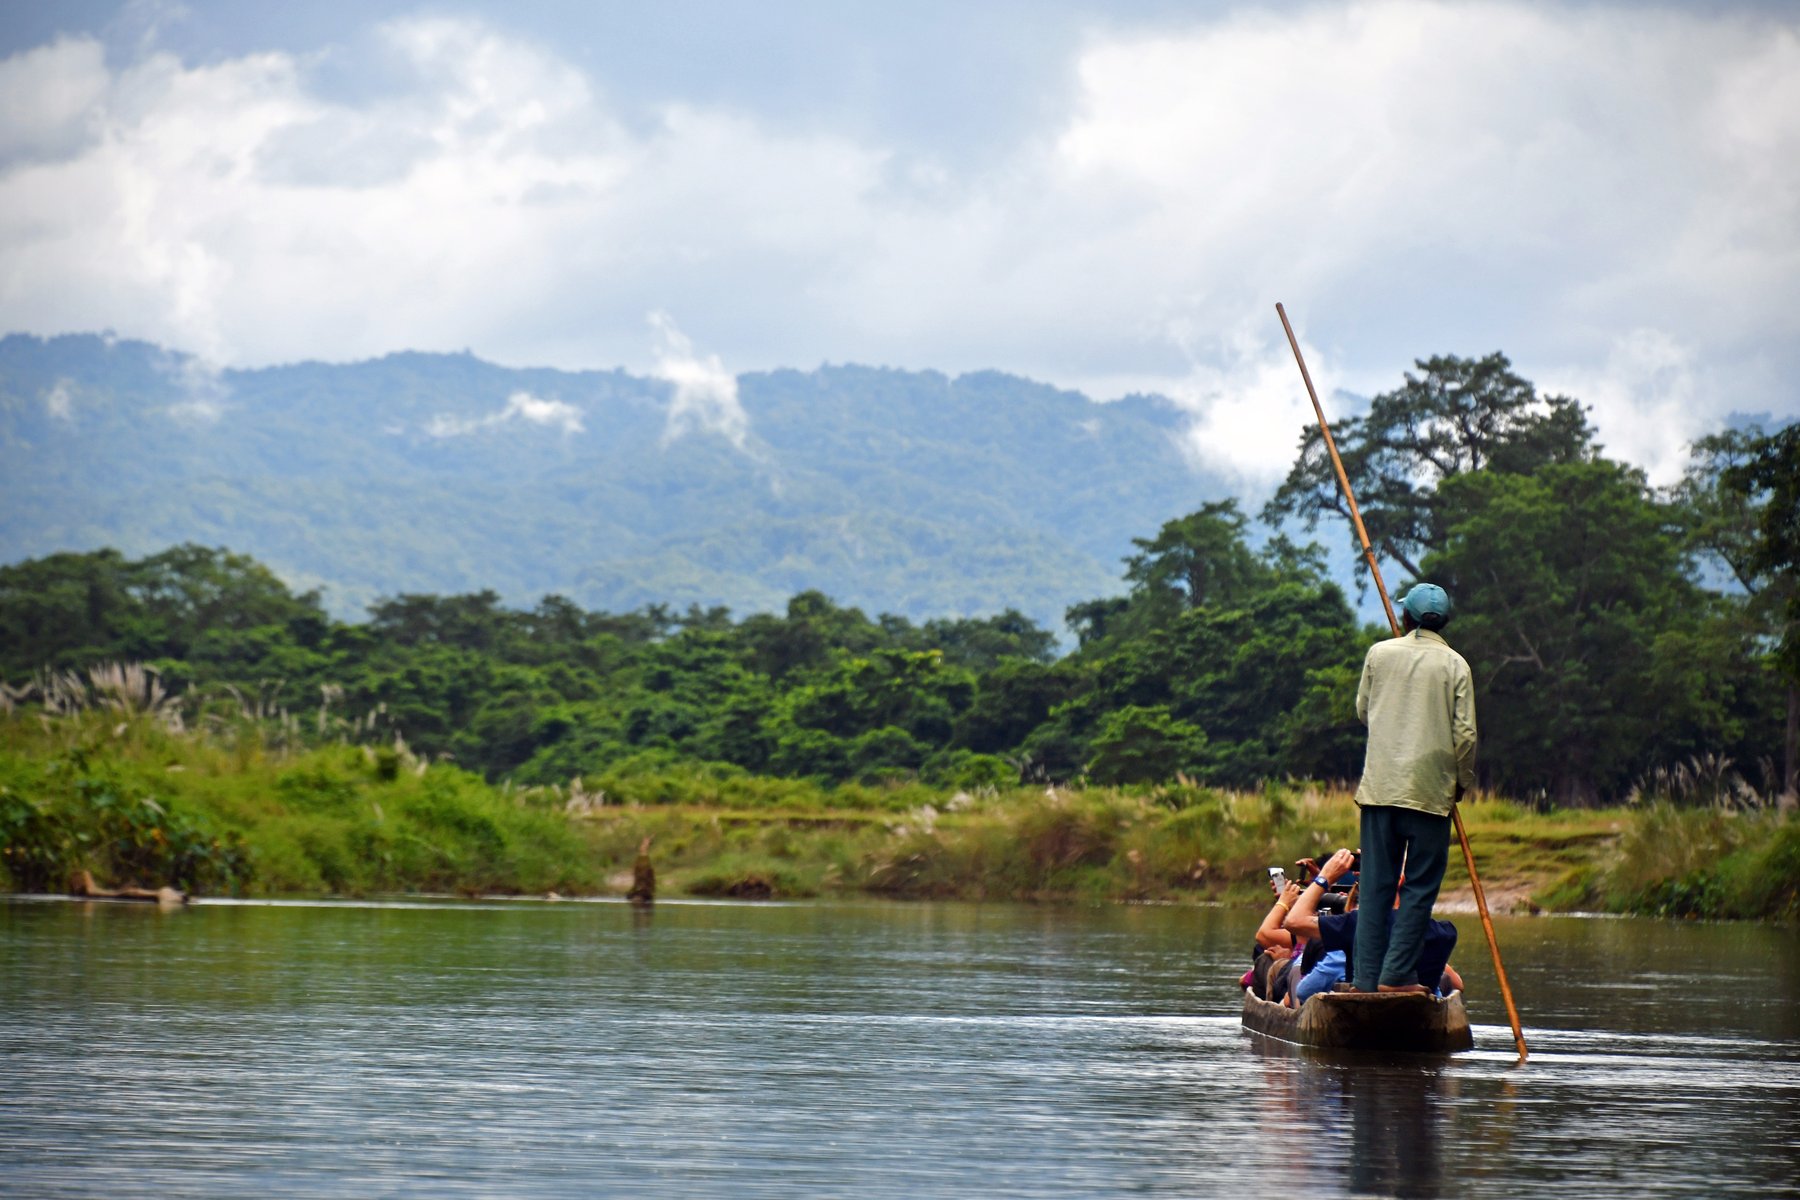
x=82 y=886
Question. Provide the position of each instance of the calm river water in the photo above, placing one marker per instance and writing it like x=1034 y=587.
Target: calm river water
x=845 y=1049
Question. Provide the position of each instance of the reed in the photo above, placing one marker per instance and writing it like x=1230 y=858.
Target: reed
x=1704 y=780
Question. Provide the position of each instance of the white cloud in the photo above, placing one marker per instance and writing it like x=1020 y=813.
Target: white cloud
x=59 y=401
x=706 y=394
x=1421 y=178
x=204 y=392
x=1643 y=400
x=534 y=411
x=1412 y=177
x=50 y=99
x=1249 y=405
x=519 y=407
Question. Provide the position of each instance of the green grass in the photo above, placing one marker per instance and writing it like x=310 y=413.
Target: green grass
x=116 y=799
x=237 y=810
x=1707 y=863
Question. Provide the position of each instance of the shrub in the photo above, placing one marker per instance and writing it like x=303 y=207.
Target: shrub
x=751 y=877
x=123 y=836
x=964 y=770
x=36 y=849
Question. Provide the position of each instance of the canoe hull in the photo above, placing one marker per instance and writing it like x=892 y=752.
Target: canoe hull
x=1385 y=1022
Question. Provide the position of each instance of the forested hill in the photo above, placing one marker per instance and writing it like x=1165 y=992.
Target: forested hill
x=1606 y=663
x=904 y=492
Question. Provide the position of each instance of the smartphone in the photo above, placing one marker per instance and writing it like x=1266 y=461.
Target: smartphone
x=1278 y=877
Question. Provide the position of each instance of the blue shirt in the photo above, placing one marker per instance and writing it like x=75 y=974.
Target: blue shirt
x=1329 y=972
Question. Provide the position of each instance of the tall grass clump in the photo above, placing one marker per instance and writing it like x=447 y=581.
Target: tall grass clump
x=339 y=823
x=137 y=799
x=1707 y=862
x=1027 y=846
x=1703 y=781
x=1106 y=843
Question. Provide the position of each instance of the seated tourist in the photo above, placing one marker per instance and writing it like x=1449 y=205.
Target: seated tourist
x=1309 y=867
x=1277 y=951
x=1339 y=932
x=1332 y=968
x=1271 y=933
x=1271 y=936
x=1270 y=965
x=1297 y=955
x=1281 y=979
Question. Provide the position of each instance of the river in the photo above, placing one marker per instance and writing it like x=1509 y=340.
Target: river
x=515 y=1048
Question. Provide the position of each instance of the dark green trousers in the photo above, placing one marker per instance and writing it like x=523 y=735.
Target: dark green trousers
x=1392 y=836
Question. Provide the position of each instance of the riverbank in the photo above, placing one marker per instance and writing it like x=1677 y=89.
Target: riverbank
x=241 y=812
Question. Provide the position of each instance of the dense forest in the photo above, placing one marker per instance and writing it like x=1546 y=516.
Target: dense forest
x=1619 y=635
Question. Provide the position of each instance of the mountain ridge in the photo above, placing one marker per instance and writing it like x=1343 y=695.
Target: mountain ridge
x=897 y=490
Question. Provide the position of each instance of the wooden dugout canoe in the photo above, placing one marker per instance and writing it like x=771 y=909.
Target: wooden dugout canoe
x=1385 y=1022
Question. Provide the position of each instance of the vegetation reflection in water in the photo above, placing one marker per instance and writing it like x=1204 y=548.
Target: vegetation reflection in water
x=870 y=1049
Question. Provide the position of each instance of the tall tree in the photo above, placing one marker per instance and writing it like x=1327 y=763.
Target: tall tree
x=63 y=610
x=1594 y=651
x=75 y=609
x=1196 y=560
x=984 y=642
x=1456 y=416
x=1754 y=527
x=1206 y=666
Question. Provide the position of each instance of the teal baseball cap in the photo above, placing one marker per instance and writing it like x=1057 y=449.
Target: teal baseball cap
x=1427 y=599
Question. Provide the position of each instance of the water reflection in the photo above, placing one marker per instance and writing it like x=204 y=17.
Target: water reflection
x=1397 y=1114
x=1396 y=1120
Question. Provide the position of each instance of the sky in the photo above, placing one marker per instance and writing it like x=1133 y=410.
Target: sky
x=1109 y=197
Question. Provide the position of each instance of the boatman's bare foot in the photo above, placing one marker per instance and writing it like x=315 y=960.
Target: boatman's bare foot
x=1407 y=988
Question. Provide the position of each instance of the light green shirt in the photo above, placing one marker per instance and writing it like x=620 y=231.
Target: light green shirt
x=1418 y=699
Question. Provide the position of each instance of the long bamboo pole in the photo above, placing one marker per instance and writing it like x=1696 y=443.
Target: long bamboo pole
x=1462 y=836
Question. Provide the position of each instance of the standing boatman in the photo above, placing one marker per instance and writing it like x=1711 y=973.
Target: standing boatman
x=1418 y=699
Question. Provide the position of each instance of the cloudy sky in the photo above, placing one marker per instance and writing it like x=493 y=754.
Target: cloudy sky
x=1108 y=196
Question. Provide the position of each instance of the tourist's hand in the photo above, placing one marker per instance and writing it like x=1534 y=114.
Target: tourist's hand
x=1289 y=895
x=1336 y=866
